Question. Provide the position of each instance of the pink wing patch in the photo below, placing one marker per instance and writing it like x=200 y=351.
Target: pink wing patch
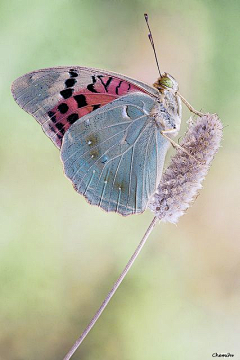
x=79 y=102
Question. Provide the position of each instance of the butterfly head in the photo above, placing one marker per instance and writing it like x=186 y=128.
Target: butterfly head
x=166 y=82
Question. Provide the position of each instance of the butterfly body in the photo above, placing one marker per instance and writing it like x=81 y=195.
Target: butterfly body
x=108 y=127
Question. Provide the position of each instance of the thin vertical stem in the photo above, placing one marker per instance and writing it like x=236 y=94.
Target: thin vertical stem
x=112 y=291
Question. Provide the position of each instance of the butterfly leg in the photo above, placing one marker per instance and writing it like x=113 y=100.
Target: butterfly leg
x=189 y=106
x=174 y=144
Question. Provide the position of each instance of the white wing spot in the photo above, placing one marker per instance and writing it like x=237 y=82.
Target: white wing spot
x=124 y=113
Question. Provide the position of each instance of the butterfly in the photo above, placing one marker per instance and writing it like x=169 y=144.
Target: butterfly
x=109 y=129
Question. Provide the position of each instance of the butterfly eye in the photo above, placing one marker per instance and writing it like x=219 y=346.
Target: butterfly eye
x=166 y=82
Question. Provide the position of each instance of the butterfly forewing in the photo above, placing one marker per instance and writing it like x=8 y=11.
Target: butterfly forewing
x=57 y=97
x=114 y=155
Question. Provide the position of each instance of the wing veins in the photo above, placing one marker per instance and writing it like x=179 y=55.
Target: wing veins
x=114 y=180
x=106 y=153
x=95 y=146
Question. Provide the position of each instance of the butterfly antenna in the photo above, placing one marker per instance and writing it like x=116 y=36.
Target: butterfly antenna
x=152 y=42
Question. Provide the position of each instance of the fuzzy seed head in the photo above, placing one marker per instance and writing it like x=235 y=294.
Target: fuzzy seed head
x=183 y=178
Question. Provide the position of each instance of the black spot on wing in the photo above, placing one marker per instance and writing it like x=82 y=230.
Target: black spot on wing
x=72 y=118
x=117 y=87
x=91 y=87
x=52 y=116
x=81 y=100
x=105 y=84
x=73 y=73
x=63 y=108
x=60 y=127
x=67 y=93
x=70 y=82
x=96 y=106
x=59 y=136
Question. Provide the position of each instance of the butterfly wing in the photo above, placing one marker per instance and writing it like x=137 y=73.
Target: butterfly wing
x=114 y=156
x=57 y=97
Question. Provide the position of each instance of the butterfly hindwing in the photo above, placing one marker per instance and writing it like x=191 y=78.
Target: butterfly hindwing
x=114 y=155
x=57 y=97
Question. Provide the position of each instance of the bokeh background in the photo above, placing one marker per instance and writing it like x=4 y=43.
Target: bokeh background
x=59 y=256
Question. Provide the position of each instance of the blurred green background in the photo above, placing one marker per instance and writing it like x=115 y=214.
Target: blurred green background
x=60 y=256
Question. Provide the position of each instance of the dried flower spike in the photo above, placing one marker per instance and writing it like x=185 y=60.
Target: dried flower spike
x=182 y=179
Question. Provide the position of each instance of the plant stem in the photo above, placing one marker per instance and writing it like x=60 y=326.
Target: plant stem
x=112 y=291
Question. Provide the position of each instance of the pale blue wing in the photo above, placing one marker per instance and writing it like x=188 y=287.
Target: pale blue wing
x=114 y=156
